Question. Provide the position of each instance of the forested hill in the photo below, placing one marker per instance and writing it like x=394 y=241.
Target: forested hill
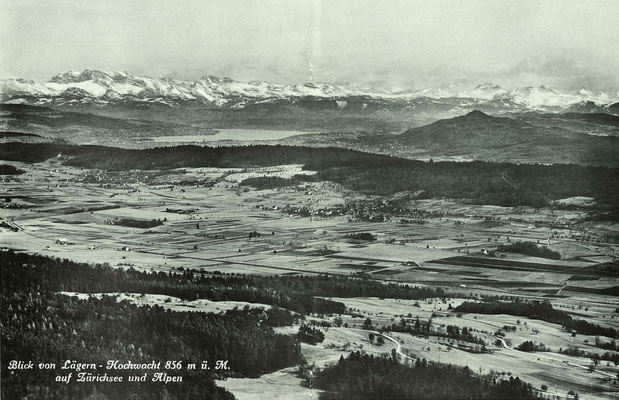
x=112 y=158
x=469 y=130
x=589 y=139
x=362 y=376
x=40 y=325
x=480 y=182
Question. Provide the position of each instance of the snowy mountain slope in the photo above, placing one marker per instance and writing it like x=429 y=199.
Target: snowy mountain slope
x=101 y=88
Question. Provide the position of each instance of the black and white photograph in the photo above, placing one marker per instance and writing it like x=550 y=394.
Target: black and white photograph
x=309 y=199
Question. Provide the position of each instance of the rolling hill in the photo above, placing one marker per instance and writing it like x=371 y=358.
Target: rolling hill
x=547 y=138
x=581 y=138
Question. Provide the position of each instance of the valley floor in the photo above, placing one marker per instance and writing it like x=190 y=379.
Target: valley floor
x=204 y=220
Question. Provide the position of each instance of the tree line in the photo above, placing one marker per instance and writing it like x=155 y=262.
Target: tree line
x=541 y=310
x=39 y=325
x=479 y=182
x=303 y=294
x=362 y=376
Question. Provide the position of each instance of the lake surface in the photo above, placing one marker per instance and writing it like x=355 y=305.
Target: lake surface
x=231 y=135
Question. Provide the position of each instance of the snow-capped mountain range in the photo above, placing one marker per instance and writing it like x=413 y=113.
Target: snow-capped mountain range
x=104 y=88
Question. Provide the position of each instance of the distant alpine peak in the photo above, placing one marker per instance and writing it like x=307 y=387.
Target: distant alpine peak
x=103 y=87
x=73 y=76
x=488 y=85
x=68 y=76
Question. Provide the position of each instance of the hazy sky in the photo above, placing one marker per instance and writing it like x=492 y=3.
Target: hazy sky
x=564 y=44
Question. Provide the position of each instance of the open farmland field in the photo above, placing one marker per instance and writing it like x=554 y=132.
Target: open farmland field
x=206 y=220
